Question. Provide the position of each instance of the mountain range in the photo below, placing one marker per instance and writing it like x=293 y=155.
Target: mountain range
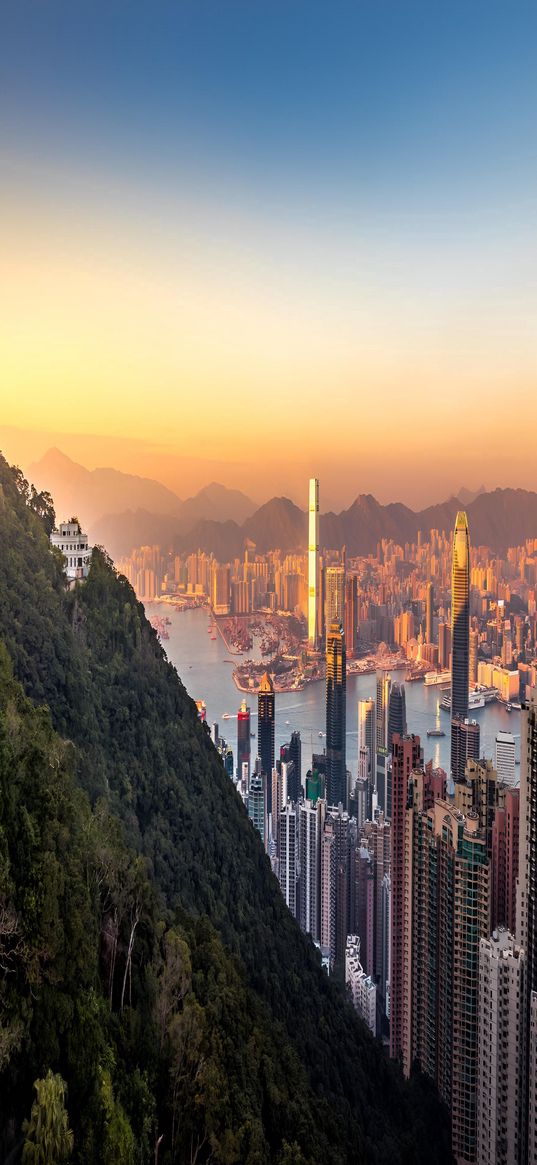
x=502 y=518
x=124 y=511
x=98 y=495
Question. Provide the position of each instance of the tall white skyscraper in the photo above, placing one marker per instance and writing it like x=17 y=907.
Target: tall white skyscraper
x=313 y=563
x=505 y=758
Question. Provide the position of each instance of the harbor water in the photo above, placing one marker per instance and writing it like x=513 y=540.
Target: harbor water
x=205 y=668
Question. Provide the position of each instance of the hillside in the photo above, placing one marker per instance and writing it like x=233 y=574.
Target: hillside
x=220 y=1012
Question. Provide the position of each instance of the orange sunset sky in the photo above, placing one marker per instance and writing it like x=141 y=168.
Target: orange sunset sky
x=268 y=263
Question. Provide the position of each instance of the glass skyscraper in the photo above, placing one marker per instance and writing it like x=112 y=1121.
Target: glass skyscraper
x=460 y=628
x=336 y=668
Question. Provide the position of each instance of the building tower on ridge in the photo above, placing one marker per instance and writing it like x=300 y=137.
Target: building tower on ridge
x=313 y=563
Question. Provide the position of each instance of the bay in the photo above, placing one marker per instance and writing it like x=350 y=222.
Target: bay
x=200 y=663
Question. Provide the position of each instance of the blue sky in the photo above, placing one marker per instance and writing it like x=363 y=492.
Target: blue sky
x=369 y=168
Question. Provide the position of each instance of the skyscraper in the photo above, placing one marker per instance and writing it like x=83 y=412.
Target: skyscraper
x=396 y=725
x=243 y=737
x=257 y=804
x=500 y=1012
x=351 y=615
x=310 y=824
x=406 y=756
x=381 y=743
x=334 y=596
x=526 y=916
x=288 y=855
x=265 y=731
x=336 y=668
x=505 y=757
x=313 y=565
x=460 y=626
x=429 y=606
x=464 y=746
x=366 y=731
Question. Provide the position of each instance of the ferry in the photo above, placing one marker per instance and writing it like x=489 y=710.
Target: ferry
x=435 y=732
x=226 y=715
x=437 y=677
x=476 y=699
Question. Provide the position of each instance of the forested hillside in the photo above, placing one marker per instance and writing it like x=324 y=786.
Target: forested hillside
x=146 y=955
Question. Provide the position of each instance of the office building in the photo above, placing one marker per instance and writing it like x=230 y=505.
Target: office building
x=336 y=669
x=313 y=563
x=464 y=746
x=460 y=627
x=265 y=730
x=243 y=737
x=505 y=758
x=334 y=602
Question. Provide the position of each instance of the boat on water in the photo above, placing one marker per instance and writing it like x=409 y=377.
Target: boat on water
x=437 y=678
x=435 y=732
x=226 y=715
x=476 y=700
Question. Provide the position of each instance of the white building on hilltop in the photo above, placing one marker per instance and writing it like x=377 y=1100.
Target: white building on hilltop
x=363 y=990
x=74 y=546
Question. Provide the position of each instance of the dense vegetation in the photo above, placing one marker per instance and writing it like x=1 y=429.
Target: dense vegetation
x=153 y=986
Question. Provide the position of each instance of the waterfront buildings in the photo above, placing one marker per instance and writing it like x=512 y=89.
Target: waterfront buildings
x=313 y=563
x=460 y=632
x=336 y=669
x=265 y=730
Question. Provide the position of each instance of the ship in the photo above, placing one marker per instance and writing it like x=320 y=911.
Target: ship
x=476 y=699
x=437 y=677
x=435 y=732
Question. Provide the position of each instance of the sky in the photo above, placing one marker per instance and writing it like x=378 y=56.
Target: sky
x=266 y=239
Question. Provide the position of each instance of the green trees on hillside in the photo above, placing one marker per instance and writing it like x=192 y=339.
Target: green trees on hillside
x=146 y=954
